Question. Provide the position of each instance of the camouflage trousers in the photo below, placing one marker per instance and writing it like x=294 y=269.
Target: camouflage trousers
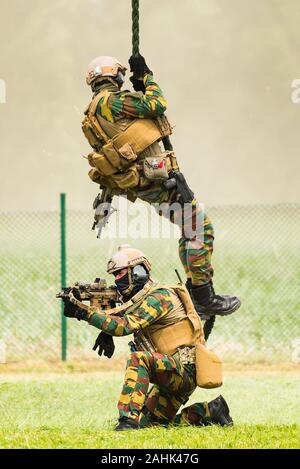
x=173 y=385
x=196 y=242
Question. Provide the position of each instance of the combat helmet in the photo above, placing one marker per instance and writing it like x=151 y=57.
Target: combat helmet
x=135 y=261
x=105 y=68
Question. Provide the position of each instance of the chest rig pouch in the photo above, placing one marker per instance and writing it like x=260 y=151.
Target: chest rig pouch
x=155 y=167
x=111 y=166
x=114 y=159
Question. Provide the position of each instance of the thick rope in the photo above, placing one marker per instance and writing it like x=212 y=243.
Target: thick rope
x=135 y=28
x=209 y=324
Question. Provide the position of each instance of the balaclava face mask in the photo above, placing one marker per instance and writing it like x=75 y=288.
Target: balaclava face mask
x=122 y=283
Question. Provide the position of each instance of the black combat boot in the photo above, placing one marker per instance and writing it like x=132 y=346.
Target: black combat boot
x=207 y=303
x=219 y=412
x=126 y=424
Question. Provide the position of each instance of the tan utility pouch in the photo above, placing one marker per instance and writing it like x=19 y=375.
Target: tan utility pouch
x=171 y=161
x=127 y=154
x=126 y=180
x=208 y=368
x=163 y=125
x=155 y=167
x=140 y=134
x=89 y=133
x=168 y=339
x=121 y=158
x=99 y=161
x=112 y=154
x=103 y=173
x=95 y=176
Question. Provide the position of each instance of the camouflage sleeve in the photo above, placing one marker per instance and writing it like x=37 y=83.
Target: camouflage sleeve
x=148 y=105
x=154 y=306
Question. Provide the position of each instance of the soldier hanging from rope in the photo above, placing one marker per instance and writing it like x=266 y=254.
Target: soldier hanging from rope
x=125 y=130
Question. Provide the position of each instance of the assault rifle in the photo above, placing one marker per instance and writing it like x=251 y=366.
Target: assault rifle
x=103 y=209
x=97 y=293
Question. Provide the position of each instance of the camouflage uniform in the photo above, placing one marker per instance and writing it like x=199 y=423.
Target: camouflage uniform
x=173 y=381
x=132 y=104
x=195 y=251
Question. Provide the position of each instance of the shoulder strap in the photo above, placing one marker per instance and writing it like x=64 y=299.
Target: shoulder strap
x=92 y=112
x=95 y=101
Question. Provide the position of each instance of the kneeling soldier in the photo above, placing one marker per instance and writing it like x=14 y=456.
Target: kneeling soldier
x=167 y=332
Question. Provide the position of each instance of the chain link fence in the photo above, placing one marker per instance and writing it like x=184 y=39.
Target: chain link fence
x=257 y=257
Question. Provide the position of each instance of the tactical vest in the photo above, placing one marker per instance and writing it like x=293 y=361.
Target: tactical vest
x=175 y=329
x=178 y=333
x=127 y=150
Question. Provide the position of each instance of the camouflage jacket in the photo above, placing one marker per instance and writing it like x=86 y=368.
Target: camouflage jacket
x=132 y=104
x=155 y=305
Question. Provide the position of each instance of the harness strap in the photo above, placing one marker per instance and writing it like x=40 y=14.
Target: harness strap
x=92 y=111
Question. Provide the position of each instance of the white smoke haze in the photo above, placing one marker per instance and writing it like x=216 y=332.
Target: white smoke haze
x=226 y=68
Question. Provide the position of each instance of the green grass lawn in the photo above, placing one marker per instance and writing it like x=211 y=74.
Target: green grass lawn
x=78 y=410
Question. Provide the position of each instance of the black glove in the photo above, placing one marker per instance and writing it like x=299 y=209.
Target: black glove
x=106 y=344
x=138 y=66
x=71 y=310
x=138 y=85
